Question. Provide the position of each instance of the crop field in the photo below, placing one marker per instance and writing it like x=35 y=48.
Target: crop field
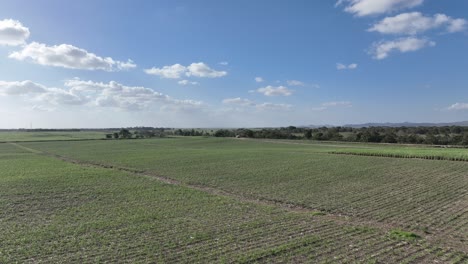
x=454 y=154
x=19 y=136
x=227 y=200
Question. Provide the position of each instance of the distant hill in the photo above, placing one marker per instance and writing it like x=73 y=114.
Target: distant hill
x=407 y=124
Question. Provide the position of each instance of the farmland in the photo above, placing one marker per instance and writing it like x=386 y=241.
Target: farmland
x=199 y=199
x=19 y=136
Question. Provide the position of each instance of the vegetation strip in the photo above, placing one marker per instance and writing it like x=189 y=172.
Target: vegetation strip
x=399 y=156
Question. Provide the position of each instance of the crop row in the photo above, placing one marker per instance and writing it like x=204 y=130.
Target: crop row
x=371 y=153
x=412 y=193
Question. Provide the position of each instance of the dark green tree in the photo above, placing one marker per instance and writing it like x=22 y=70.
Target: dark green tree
x=125 y=133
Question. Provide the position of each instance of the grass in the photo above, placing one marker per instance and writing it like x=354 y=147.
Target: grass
x=56 y=211
x=317 y=213
x=400 y=234
x=22 y=136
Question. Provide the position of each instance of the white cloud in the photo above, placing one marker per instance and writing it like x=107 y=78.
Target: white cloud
x=21 y=88
x=39 y=92
x=224 y=63
x=61 y=97
x=382 y=49
x=114 y=94
x=374 y=7
x=295 y=83
x=341 y=66
x=170 y=72
x=319 y=109
x=338 y=103
x=272 y=106
x=259 y=79
x=458 y=106
x=328 y=105
x=68 y=56
x=187 y=82
x=176 y=71
x=275 y=91
x=415 y=23
x=457 y=25
x=99 y=94
x=240 y=102
x=12 y=32
x=200 y=69
x=41 y=108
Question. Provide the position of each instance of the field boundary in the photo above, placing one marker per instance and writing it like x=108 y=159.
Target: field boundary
x=398 y=156
x=347 y=144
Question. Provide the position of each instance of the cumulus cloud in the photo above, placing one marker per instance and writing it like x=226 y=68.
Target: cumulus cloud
x=381 y=50
x=259 y=79
x=200 y=69
x=80 y=92
x=238 y=101
x=415 y=23
x=61 y=97
x=170 y=72
x=187 y=82
x=458 y=106
x=275 y=91
x=21 y=88
x=68 y=56
x=341 y=66
x=295 y=83
x=457 y=25
x=114 y=94
x=176 y=71
x=13 y=33
x=375 y=7
x=39 y=92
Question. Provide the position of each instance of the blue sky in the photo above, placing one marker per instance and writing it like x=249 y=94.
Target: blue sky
x=232 y=63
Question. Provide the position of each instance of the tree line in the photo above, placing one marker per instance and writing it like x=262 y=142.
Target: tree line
x=448 y=135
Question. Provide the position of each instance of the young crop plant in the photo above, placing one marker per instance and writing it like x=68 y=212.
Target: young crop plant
x=404 y=235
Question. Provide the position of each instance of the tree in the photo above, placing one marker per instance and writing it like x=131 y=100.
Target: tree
x=465 y=139
x=116 y=135
x=308 y=134
x=124 y=133
x=224 y=133
x=390 y=138
x=318 y=136
x=108 y=136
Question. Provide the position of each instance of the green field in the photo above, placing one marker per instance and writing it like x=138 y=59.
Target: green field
x=230 y=200
x=21 y=136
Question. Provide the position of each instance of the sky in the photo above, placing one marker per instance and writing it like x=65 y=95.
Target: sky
x=232 y=63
